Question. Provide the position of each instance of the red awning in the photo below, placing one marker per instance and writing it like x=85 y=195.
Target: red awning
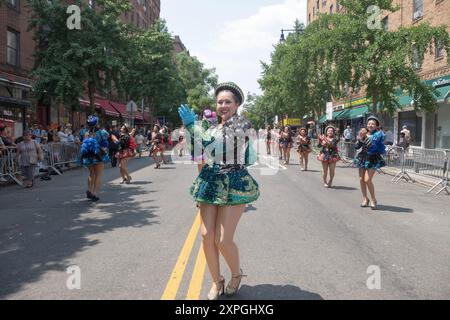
x=109 y=110
x=86 y=103
x=122 y=109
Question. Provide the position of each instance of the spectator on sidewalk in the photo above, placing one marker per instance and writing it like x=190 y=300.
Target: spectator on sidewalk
x=403 y=143
x=348 y=134
x=407 y=133
x=388 y=137
x=139 y=143
x=63 y=137
x=29 y=153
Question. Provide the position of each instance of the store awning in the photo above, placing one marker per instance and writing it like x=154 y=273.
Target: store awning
x=107 y=107
x=350 y=114
x=14 y=103
x=122 y=109
x=441 y=95
x=86 y=103
x=323 y=118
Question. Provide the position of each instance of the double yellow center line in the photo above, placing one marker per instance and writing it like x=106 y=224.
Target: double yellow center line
x=195 y=286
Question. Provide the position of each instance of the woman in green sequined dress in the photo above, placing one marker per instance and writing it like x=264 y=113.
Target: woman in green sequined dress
x=224 y=186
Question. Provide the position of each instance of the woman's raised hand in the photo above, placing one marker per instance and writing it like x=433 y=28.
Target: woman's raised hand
x=186 y=115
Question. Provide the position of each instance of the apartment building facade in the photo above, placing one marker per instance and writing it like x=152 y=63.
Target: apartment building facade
x=430 y=130
x=17 y=107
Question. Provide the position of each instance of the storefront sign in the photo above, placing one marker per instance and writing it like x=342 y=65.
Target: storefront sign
x=441 y=82
x=358 y=102
x=339 y=107
x=292 y=122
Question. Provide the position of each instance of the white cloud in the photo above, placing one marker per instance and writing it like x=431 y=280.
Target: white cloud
x=260 y=30
x=242 y=44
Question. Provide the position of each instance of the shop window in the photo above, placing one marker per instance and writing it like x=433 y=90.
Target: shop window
x=12 y=47
x=443 y=128
x=417 y=9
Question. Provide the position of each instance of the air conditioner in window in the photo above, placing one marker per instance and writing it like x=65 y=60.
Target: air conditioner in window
x=417 y=14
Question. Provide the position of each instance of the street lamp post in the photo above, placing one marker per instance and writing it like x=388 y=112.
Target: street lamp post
x=283 y=38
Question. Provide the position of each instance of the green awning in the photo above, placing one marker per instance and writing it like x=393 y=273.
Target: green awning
x=442 y=93
x=350 y=114
x=322 y=119
x=336 y=114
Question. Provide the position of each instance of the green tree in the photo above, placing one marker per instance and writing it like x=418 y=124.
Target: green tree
x=196 y=80
x=68 y=60
x=340 y=54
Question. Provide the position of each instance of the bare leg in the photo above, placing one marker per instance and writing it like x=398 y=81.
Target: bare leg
x=325 y=173
x=306 y=159
x=332 y=173
x=300 y=156
x=209 y=219
x=91 y=179
x=368 y=179
x=98 y=177
x=362 y=182
x=227 y=221
x=121 y=169
x=125 y=169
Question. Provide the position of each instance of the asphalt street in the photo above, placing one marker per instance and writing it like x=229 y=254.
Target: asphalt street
x=298 y=241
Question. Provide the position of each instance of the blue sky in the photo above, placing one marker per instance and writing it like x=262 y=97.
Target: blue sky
x=231 y=35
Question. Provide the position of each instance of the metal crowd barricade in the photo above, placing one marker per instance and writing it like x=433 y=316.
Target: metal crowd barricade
x=395 y=158
x=8 y=165
x=63 y=155
x=347 y=152
x=432 y=163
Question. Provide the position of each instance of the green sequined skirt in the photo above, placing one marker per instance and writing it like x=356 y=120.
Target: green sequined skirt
x=225 y=186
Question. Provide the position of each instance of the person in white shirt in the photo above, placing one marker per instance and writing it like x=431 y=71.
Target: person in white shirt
x=63 y=137
x=139 y=143
x=348 y=134
x=407 y=133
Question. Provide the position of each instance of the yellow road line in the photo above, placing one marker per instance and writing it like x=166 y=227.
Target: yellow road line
x=177 y=274
x=195 y=287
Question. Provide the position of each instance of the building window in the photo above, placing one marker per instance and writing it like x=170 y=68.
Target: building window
x=12 y=47
x=317 y=4
x=385 y=23
x=13 y=4
x=338 y=6
x=309 y=18
x=314 y=11
x=324 y=3
x=439 y=50
x=417 y=63
x=331 y=9
x=417 y=9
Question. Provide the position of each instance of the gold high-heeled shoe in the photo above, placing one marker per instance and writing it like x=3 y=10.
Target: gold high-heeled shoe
x=215 y=293
x=231 y=291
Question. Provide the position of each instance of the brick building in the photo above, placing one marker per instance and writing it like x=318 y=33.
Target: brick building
x=16 y=61
x=17 y=47
x=429 y=130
